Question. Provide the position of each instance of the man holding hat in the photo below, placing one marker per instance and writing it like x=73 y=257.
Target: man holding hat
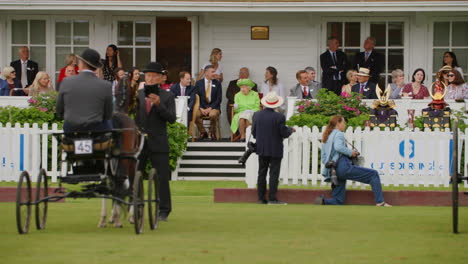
x=84 y=100
x=364 y=86
x=156 y=107
x=269 y=129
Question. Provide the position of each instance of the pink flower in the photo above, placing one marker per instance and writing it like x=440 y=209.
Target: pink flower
x=358 y=112
x=345 y=95
x=317 y=104
x=32 y=101
x=308 y=103
x=300 y=108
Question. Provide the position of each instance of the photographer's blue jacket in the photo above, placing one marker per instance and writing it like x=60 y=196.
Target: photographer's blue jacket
x=333 y=149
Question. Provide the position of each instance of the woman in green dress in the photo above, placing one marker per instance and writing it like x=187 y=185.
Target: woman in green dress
x=246 y=103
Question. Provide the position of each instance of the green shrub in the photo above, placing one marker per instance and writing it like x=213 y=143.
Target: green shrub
x=328 y=104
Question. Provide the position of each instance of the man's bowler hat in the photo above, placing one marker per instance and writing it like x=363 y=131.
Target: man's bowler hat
x=153 y=67
x=91 y=57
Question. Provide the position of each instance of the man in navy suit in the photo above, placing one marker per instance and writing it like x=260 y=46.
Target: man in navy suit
x=364 y=85
x=210 y=92
x=333 y=63
x=25 y=68
x=370 y=59
x=269 y=129
x=184 y=88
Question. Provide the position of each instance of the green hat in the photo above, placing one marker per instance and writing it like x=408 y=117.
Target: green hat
x=246 y=82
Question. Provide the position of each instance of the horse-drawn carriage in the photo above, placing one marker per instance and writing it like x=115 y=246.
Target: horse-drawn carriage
x=105 y=165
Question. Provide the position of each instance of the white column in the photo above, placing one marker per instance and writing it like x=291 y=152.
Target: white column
x=195 y=66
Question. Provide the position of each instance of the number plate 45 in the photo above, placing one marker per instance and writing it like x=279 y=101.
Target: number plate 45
x=84 y=146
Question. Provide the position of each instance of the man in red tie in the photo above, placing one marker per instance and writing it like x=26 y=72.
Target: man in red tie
x=156 y=109
x=304 y=89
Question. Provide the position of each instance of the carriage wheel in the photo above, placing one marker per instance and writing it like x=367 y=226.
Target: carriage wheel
x=41 y=207
x=153 y=199
x=138 y=202
x=23 y=203
x=455 y=178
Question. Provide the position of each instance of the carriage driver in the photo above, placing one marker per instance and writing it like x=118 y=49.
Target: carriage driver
x=84 y=100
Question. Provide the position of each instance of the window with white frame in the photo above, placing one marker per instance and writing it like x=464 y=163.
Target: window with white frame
x=71 y=36
x=349 y=36
x=389 y=36
x=134 y=42
x=390 y=42
x=32 y=34
x=450 y=36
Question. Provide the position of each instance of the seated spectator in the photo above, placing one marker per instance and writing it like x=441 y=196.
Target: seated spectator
x=246 y=103
x=185 y=88
x=42 y=84
x=70 y=70
x=25 y=68
x=397 y=85
x=303 y=89
x=442 y=74
x=365 y=87
x=10 y=84
x=211 y=93
x=457 y=89
x=271 y=84
x=312 y=73
x=450 y=59
x=352 y=77
x=70 y=60
x=416 y=88
x=233 y=89
x=165 y=84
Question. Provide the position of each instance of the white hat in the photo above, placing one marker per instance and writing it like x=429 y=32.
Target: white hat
x=363 y=72
x=272 y=100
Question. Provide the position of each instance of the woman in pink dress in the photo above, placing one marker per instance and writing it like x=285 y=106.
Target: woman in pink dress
x=416 y=88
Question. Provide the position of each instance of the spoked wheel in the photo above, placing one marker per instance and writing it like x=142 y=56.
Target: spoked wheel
x=153 y=199
x=23 y=203
x=41 y=207
x=455 y=178
x=138 y=202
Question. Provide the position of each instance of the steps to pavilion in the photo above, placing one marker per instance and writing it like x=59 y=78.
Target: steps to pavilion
x=212 y=161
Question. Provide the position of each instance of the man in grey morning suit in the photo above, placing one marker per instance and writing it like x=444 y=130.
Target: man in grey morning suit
x=304 y=89
x=84 y=100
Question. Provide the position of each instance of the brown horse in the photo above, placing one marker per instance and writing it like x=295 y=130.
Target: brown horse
x=126 y=149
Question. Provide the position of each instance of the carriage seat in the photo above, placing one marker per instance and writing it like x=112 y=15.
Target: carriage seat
x=101 y=141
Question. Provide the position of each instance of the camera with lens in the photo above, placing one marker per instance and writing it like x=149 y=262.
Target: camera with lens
x=251 y=148
x=332 y=166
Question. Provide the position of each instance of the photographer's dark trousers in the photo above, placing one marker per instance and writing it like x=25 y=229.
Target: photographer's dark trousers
x=347 y=171
x=159 y=161
x=263 y=164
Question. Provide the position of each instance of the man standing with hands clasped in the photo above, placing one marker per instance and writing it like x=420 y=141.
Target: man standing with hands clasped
x=156 y=109
x=269 y=129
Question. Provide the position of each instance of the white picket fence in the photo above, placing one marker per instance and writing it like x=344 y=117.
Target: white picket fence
x=402 y=157
x=27 y=147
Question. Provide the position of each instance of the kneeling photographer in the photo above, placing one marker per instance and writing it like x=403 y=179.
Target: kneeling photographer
x=337 y=165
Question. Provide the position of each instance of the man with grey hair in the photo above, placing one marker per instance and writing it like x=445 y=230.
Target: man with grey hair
x=25 y=68
x=233 y=89
x=312 y=74
x=370 y=59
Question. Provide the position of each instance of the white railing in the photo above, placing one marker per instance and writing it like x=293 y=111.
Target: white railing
x=402 y=105
x=402 y=157
x=27 y=147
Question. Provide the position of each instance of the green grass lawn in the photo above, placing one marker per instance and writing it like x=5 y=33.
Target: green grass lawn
x=200 y=231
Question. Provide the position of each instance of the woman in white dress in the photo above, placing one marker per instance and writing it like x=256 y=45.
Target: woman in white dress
x=215 y=60
x=271 y=84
